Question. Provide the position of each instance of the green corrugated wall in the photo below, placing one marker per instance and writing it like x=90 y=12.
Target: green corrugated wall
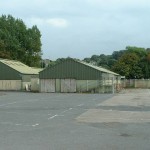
x=70 y=69
x=7 y=73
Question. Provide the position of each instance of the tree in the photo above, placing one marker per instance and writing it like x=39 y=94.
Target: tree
x=145 y=65
x=87 y=60
x=128 y=65
x=95 y=58
x=19 y=42
x=141 y=52
x=117 y=54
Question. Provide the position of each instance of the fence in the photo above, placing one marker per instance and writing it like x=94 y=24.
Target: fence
x=135 y=83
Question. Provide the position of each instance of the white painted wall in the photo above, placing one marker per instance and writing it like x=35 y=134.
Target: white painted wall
x=35 y=84
x=47 y=85
x=14 y=85
x=68 y=85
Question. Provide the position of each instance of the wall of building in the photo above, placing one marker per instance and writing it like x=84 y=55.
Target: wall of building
x=79 y=86
x=97 y=86
x=70 y=69
x=30 y=81
x=74 y=76
x=7 y=73
x=10 y=85
x=68 y=85
x=47 y=85
x=35 y=85
x=87 y=85
x=10 y=79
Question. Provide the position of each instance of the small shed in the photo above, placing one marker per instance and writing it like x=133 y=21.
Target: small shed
x=15 y=75
x=71 y=75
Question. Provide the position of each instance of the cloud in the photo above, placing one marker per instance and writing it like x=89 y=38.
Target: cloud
x=54 y=22
x=103 y=24
x=35 y=21
x=57 y=22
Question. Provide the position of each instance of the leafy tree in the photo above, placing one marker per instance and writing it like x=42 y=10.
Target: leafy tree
x=117 y=54
x=143 y=55
x=19 y=42
x=88 y=60
x=128 y=65
x=145 y=65
x=141 y=52
x=111 y=62
x=95 y=58
x=148 y=57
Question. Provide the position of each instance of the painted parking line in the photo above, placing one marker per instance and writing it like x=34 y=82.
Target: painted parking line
x=34 y=125
x=80 y=105
x=19 y=124
x=52 y=117
x=60 y=114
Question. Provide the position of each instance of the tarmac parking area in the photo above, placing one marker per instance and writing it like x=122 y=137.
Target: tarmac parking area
x=136 y=102
x=35 y=121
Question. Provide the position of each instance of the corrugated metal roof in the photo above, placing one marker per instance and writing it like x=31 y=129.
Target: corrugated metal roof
x=37 y=69
x=97 y=68
x=20 y=67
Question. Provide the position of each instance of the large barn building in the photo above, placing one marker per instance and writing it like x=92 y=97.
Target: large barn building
x=15 y=75
x=72 y=76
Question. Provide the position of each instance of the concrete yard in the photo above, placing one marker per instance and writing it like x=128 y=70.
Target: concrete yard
x=46 y=121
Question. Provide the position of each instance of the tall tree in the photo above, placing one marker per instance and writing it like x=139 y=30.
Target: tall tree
x=117 y=54
x=141 y=52
x=19 y=42
x=128 y=65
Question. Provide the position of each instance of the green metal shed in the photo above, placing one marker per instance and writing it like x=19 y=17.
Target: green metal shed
x=73 y=75
x=15 y=75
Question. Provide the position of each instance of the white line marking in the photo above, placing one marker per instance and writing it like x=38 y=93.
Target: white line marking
x=66 y=110
x=80 y=105
x=60 y=114
x=52 y=117
x=18 y=124
x=34 y=125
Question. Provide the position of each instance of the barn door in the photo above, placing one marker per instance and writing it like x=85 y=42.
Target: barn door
x=68 y=85
x=48 y=85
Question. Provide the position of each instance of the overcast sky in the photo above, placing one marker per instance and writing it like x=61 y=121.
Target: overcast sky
x=81 y=28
